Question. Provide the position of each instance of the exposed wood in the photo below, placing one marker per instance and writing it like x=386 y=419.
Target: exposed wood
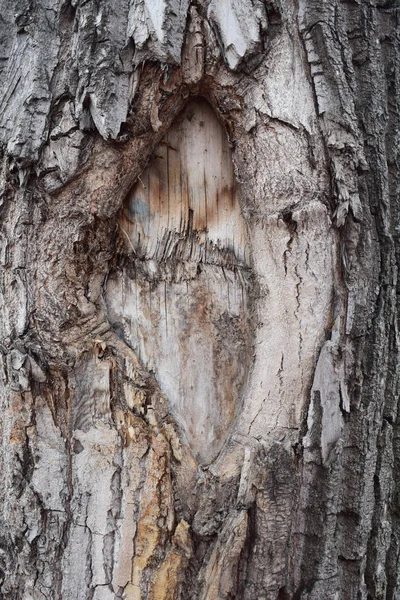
x=182 y=299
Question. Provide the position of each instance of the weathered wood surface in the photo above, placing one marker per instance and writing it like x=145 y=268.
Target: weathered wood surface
x=266 y=279
x=182 y=298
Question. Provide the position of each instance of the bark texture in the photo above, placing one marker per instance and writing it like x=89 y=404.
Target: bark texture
x=199 y=323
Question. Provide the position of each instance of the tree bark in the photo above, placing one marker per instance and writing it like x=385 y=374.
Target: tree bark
x=199 y=320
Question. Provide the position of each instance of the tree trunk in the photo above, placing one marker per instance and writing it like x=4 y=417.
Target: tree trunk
x=199 y=321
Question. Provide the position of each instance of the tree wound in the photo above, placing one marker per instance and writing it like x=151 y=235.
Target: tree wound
x=182 y=299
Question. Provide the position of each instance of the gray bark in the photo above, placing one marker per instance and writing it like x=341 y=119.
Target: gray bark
x=199 y=323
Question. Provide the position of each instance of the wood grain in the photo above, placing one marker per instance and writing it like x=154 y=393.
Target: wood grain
x=185 y=307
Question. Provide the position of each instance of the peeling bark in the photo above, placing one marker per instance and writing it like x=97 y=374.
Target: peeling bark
x=199 y=323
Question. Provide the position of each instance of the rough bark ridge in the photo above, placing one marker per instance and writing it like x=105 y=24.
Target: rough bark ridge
x=199 y=321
